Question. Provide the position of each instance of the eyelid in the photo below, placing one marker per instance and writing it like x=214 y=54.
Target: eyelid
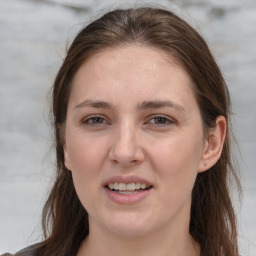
x=90 y=117
x=167 y=118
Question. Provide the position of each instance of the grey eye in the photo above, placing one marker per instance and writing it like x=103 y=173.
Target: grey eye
x=160 y=120
x=95 y=120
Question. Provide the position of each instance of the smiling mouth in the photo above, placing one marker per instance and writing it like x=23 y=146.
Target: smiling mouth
x=130 y=188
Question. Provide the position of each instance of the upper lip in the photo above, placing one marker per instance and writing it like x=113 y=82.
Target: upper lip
x=127 y=180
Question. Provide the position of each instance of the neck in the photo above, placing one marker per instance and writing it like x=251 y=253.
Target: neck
x=160 y=243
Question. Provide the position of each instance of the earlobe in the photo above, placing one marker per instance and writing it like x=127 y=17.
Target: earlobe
x=213 y=145
x=66 y=158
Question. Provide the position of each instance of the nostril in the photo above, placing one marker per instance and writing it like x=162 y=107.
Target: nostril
x=114 y=161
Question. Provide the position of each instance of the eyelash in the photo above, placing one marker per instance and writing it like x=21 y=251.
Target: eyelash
x=167 y=121
x=94 y=120
x=89 y=120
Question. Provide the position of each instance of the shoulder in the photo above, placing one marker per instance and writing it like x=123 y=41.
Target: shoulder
x=28 y=251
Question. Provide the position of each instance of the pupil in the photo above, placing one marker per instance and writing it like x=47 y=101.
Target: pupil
x=159 y=120
x=96 y=120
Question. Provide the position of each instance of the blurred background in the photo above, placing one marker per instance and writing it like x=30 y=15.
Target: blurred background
x=33 y=39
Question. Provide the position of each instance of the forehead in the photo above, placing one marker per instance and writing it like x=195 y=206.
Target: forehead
x=137 y=57
x=132 y=70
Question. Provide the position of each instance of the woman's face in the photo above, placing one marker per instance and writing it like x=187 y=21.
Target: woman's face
x=134 y=141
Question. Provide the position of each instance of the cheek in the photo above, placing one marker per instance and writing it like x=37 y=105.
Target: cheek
x=85 y=161
x=85 y=153
x=85 y=158
x=177 y=161
x=178 y=152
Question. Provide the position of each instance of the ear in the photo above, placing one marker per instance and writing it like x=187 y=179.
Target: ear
x=67 y=159
x=213 y=144
x=67 y=162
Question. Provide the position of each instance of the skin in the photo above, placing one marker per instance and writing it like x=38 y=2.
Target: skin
x=161 y=143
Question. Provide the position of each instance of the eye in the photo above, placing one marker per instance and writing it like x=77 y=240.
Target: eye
x=160 y=120
x=94 y=120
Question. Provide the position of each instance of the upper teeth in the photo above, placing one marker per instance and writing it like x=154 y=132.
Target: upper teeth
x=129 y=186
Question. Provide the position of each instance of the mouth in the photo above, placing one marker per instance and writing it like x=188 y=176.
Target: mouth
x=126 y=189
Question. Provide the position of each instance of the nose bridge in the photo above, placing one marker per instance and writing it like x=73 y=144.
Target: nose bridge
x=126 y=148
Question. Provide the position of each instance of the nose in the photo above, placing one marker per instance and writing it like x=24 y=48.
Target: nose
x=126 y=146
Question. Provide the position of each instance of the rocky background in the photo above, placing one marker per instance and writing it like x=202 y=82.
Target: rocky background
x=33 y=39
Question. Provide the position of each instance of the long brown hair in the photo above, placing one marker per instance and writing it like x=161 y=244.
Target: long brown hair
x=213 y=222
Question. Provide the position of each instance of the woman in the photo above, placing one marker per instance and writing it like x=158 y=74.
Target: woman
x=141 y=118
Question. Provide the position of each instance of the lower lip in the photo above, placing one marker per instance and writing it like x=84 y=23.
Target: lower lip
x=127 y=198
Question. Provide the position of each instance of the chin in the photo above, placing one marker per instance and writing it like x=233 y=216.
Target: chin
x=127 y=225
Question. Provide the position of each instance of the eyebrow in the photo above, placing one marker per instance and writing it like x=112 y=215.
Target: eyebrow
x=160 y=104
x=142 y=106
x=94 y=104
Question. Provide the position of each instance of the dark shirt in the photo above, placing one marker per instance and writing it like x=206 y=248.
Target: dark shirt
x=28 y=251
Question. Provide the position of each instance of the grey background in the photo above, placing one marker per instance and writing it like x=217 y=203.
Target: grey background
x=33 y=37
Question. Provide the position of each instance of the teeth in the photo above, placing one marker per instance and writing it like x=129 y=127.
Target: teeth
x=111 y=186
x=116 y=186
x=130 y=186
x=122 y=186
x=137 y=185
x=126 y=187
x=143 y=186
